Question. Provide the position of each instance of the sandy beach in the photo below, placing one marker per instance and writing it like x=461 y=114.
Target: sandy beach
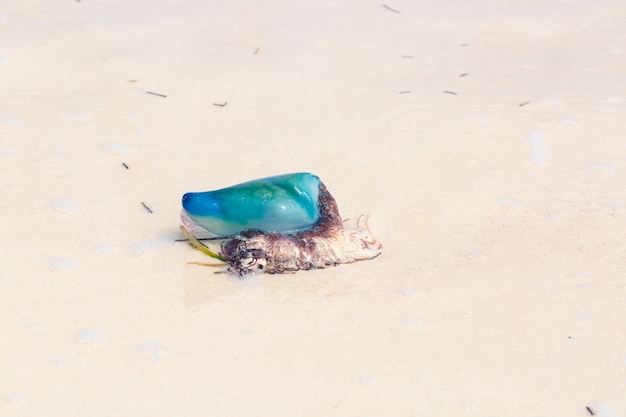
x=485 y=141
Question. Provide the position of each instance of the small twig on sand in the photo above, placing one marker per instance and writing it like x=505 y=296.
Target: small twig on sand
x=148 y=209
x=391 y=9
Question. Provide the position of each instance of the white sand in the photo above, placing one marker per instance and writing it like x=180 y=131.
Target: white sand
x=501 y=290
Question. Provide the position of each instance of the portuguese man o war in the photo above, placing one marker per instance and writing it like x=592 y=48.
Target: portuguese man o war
x=279 y=224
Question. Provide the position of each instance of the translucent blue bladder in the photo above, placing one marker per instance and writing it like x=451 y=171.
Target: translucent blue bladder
x=281 y=204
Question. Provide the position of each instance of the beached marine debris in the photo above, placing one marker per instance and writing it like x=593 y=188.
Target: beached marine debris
x=276 y=225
